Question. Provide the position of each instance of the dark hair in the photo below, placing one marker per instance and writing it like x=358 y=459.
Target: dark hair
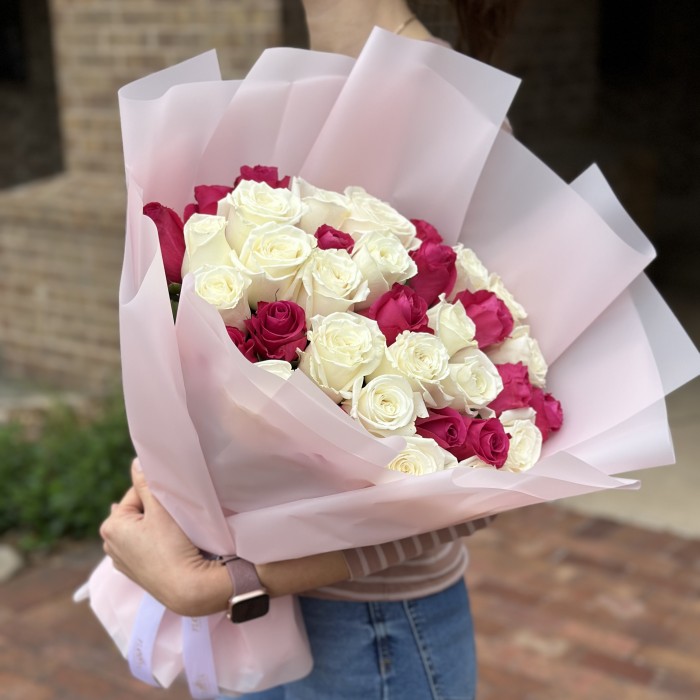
x=483 y=25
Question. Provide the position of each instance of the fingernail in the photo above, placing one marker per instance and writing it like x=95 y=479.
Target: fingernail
x=137 y=465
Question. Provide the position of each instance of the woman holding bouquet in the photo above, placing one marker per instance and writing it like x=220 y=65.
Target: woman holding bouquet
x=388 y=621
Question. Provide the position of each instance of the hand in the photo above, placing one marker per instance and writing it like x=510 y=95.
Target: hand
x=148 y=546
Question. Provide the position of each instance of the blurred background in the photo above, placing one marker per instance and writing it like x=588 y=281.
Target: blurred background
x=608 y=82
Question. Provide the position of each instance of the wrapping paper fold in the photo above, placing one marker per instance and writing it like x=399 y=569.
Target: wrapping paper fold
x=271 y=469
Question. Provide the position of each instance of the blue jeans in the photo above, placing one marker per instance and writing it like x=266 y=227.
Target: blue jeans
x=420 y=649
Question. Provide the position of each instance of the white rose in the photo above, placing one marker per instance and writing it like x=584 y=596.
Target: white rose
x=387 y=405
x=383 y=261
x=513 y=414
x=424 y=361
x=471 y=273
x=473 y=380
x=205 y=242
x=273 y=255
x=367 y=213
x=495 y=285
x=525 y=440
x=520 y=346
x=322 y=206
x=342 y=348
x=422 y=456
x=226 y=289
x=254 y=203
x=281 y=368
x=452 y=325
x=331 y=281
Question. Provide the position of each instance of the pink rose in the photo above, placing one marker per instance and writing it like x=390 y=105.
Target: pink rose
x=517 y=390
x=329 y=237
x=491 y=317
x=445 y=426
x=262 y=173
x=436 y=270
x=245 y=345
x=278 y=330
x=207 y=199
x=398 y=310
x=170 y=237
x=549 y=416
x=426 y=232
x=486 y=439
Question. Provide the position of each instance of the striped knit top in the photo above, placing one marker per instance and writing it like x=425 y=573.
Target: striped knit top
x=409 y=568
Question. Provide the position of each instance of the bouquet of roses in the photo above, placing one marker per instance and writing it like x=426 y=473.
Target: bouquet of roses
x=356 y=296
x=394 y=332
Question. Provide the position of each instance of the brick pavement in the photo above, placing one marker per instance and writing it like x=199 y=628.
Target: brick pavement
x=566 y=607
x=572 y=607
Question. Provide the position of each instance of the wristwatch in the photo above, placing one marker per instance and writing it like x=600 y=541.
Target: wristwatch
x=250 y=600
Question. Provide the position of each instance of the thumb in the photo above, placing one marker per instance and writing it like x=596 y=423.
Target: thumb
x=140 y=484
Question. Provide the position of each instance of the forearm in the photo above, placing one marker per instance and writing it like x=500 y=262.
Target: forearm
x=207 y=590
x=304 y=574
x=211 y=592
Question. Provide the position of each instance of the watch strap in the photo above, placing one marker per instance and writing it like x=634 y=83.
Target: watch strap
x=243 y=576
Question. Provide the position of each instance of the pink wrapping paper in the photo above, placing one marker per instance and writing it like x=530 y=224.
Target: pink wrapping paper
x=247 y=462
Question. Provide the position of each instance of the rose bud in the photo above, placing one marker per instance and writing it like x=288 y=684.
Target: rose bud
x=549 y=415
x=278 y=330
x=170 y=238
x=400 y=309
x=262 y=173
x=329 y=237
x=245 y=345
x=207 y=199
x=436 y=271
x=491 y=317
x=517 y=390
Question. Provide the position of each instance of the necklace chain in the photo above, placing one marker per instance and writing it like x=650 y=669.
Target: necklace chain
x=404 y=24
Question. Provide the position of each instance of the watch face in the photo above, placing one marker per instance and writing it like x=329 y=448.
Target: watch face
x=249 y=608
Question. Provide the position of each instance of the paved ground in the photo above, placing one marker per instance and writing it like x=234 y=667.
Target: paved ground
x=567 y=607
x=570 y=607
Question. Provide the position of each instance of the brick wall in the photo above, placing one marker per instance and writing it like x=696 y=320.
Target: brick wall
x=61 y=239
x=102 y=44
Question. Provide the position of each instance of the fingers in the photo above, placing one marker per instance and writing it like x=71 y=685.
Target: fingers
x=112 y=534
x=130 y=501
x=142 y=492
x=105 y=530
